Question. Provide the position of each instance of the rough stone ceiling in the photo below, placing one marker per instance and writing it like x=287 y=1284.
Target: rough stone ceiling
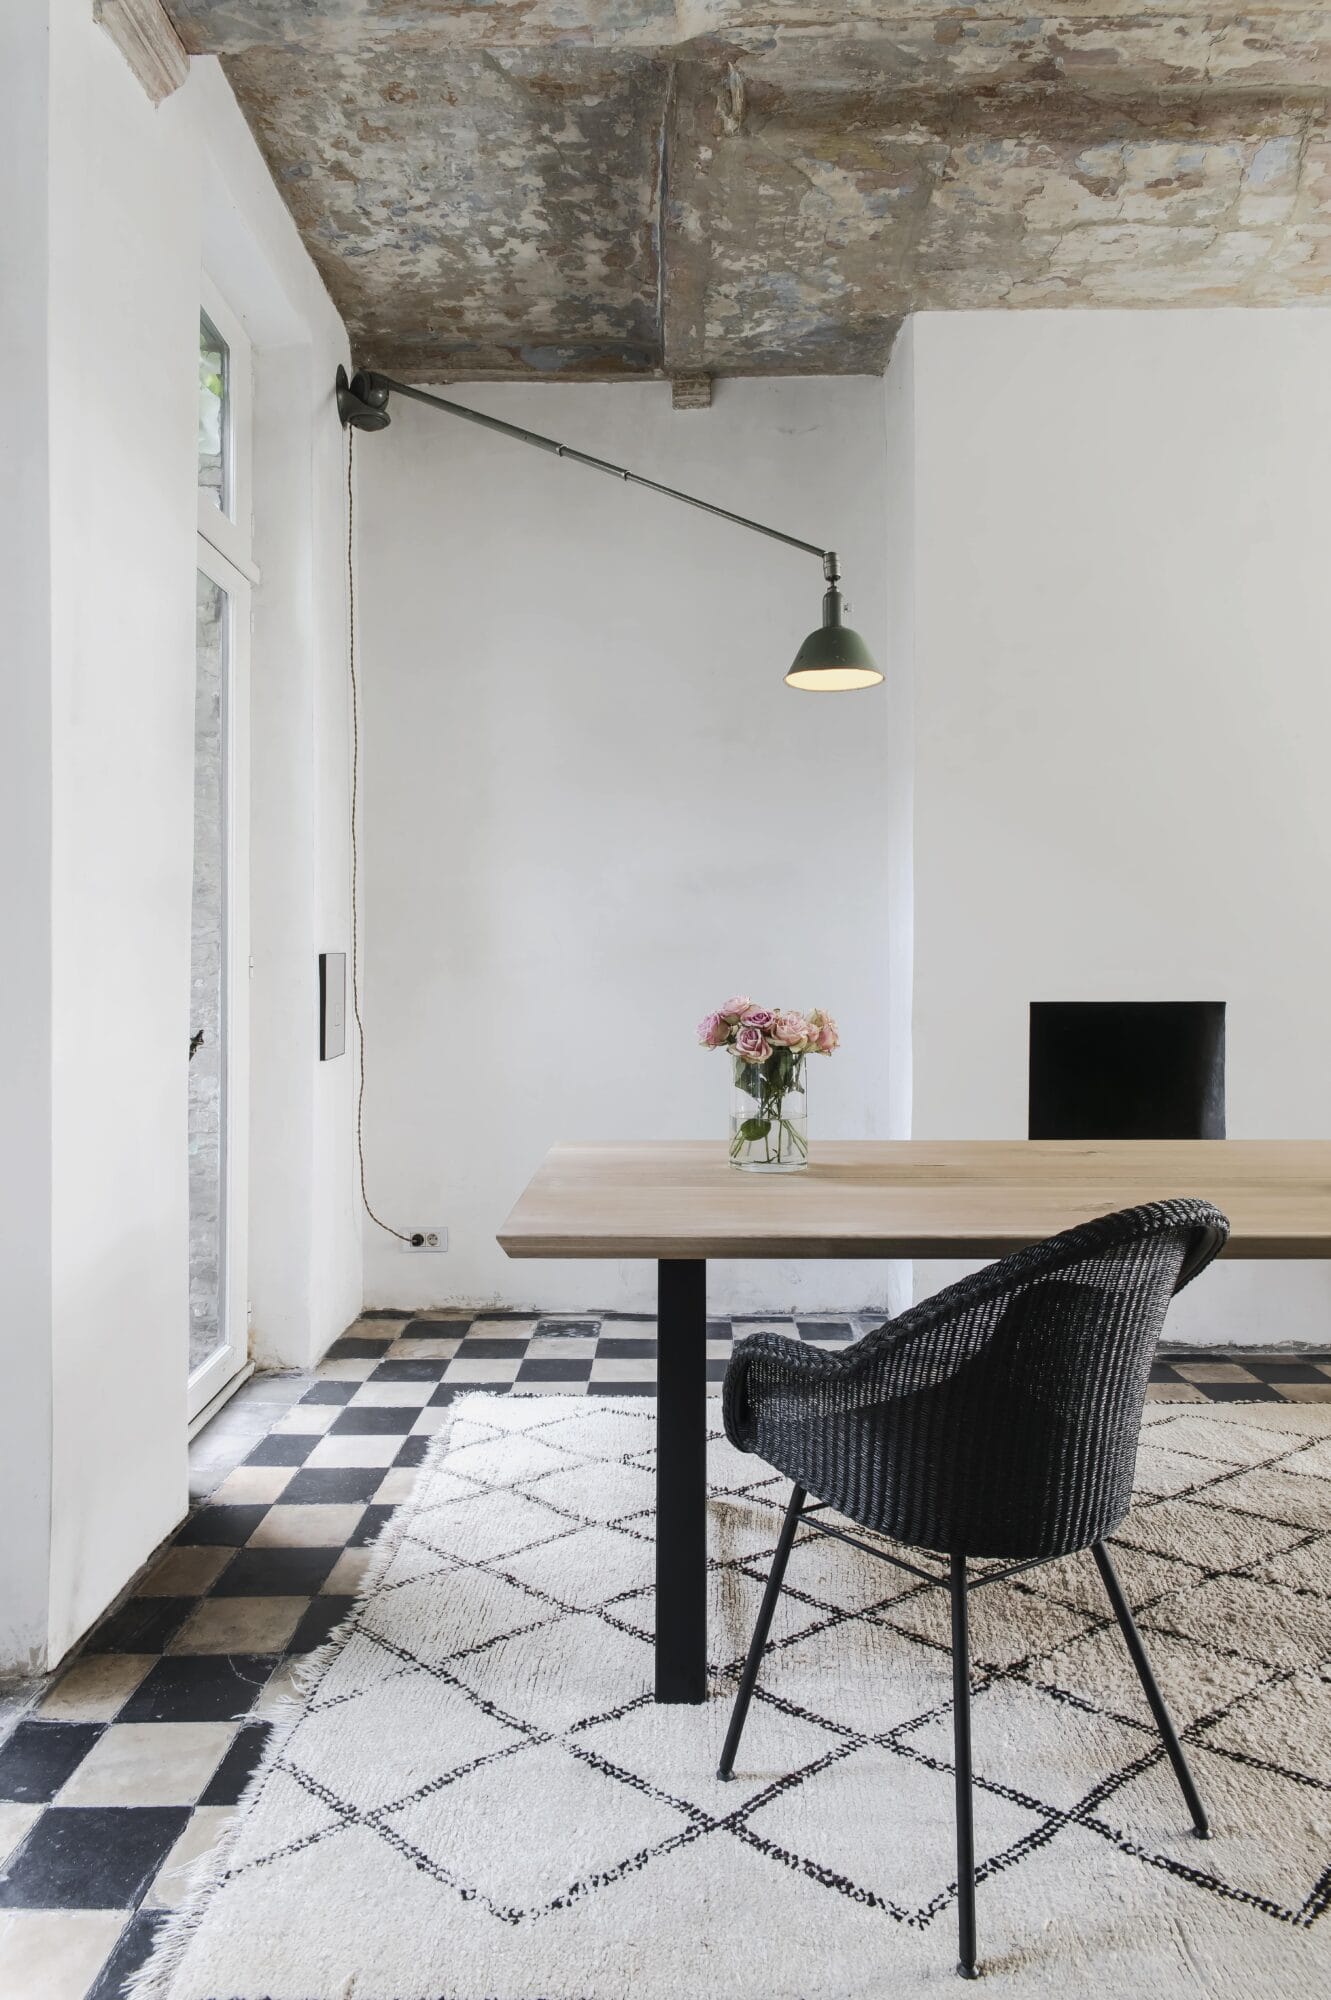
x=596 y=188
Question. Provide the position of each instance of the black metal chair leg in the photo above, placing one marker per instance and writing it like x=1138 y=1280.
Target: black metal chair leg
x=961 y=1756
x=749 y=1678
x=1163 y=1720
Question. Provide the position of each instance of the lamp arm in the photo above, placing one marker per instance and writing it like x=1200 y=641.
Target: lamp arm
x=368 y=388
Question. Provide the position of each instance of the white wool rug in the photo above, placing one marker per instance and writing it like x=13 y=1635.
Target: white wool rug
x=476 y=1798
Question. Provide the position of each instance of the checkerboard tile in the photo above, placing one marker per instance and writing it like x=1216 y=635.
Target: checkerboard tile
x=1259 y=1378
x=121 y=1777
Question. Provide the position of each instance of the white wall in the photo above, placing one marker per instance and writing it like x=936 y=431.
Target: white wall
x=593 y=809
x=25 y=844
x=304 y=1243
x=120 y=202
x=899 y=766
x=1122 y=711
x=121 y=316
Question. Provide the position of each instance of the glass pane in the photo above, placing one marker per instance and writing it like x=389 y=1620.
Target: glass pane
x=207 y=1025
x=214 y=415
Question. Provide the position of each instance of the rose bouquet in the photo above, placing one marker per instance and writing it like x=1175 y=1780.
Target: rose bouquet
x=768 y=1045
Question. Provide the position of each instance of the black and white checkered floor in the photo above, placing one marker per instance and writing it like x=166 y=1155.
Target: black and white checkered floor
x=124 y=1771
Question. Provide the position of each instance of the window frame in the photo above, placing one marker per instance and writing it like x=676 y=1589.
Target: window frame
x=231 y=1355
x=224 y=554
x=231 y=534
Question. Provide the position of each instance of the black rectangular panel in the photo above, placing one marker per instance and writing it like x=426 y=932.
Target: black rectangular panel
x=332 y=1004
x=1127 y=1069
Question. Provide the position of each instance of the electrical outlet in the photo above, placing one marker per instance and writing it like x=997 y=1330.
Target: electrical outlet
x=423 y=1240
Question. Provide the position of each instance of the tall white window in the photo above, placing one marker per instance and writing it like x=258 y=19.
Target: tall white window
x=219 y=937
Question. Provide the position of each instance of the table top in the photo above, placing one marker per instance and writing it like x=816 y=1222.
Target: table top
x=909 y=1197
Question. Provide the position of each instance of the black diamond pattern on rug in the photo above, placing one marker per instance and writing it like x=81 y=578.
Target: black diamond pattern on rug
x=203 y=1642
x=505 y=1653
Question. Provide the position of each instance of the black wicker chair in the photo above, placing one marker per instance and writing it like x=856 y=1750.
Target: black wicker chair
x=998 y=1419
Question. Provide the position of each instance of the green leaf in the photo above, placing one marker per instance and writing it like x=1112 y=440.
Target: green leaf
x=754 y=1129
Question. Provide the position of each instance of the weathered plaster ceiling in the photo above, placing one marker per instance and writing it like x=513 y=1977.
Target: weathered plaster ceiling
x=598 y=188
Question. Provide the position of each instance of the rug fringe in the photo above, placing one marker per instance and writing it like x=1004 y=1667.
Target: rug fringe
x=154 y=1978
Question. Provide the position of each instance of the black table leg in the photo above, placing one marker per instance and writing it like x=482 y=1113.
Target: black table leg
x=681 y=1482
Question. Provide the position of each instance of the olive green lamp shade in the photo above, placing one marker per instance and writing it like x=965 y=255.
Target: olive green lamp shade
x=834 y=658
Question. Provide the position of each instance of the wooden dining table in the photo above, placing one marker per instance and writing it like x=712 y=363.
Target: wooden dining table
x=681 y=1203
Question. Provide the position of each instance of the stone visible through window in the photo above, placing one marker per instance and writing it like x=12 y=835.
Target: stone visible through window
x=214 y=415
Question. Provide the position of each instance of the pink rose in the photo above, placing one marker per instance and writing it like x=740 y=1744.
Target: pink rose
x=713 y=1031
x=752 y=1044
x=734 y=1008
x=790 y=1030
x=758 y=1017
x=826 y=1030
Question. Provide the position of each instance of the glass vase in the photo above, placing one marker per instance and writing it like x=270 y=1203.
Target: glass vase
x=769 y=1117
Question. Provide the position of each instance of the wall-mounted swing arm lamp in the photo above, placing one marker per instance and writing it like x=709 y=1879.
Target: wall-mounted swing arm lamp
x=832 y=659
